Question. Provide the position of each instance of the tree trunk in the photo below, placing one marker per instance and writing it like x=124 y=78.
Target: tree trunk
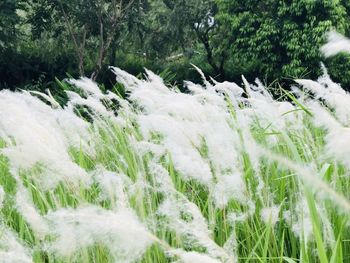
x=112 y=61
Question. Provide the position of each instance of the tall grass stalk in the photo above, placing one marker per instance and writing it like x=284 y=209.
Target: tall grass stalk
x=215 y=175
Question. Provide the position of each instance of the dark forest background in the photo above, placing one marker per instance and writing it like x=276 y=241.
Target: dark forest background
x=275 y=40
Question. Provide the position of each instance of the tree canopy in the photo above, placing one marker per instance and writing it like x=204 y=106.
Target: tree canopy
x=272 y=40
x=281 y=37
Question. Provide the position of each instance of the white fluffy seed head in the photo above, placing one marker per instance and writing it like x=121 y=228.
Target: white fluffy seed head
x=2 y=196
x=124 y=236
x=190 y=257
x=39 y=140
x=336 y=43
x=11 y=249
x=270 y=215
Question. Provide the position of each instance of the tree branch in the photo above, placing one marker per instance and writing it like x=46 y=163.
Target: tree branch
x=79 y=50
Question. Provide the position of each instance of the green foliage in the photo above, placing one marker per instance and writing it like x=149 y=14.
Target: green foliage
x=282 y=37
x=8 y=21
x=272 y=40
x=339 y=68
x=250 y=240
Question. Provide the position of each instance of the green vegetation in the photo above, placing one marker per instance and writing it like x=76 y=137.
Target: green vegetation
x=147 y=168
x=272 y=40
x=278 y=197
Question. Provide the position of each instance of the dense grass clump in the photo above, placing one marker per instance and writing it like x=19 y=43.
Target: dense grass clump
x=221 y=174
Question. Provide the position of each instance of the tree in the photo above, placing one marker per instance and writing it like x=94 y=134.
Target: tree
x=282 y=38
x=8 y=22
x=170 y=27
x=97 y=19
x=91 y=25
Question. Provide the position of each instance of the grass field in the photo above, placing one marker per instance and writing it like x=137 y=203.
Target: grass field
x=219 y=174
